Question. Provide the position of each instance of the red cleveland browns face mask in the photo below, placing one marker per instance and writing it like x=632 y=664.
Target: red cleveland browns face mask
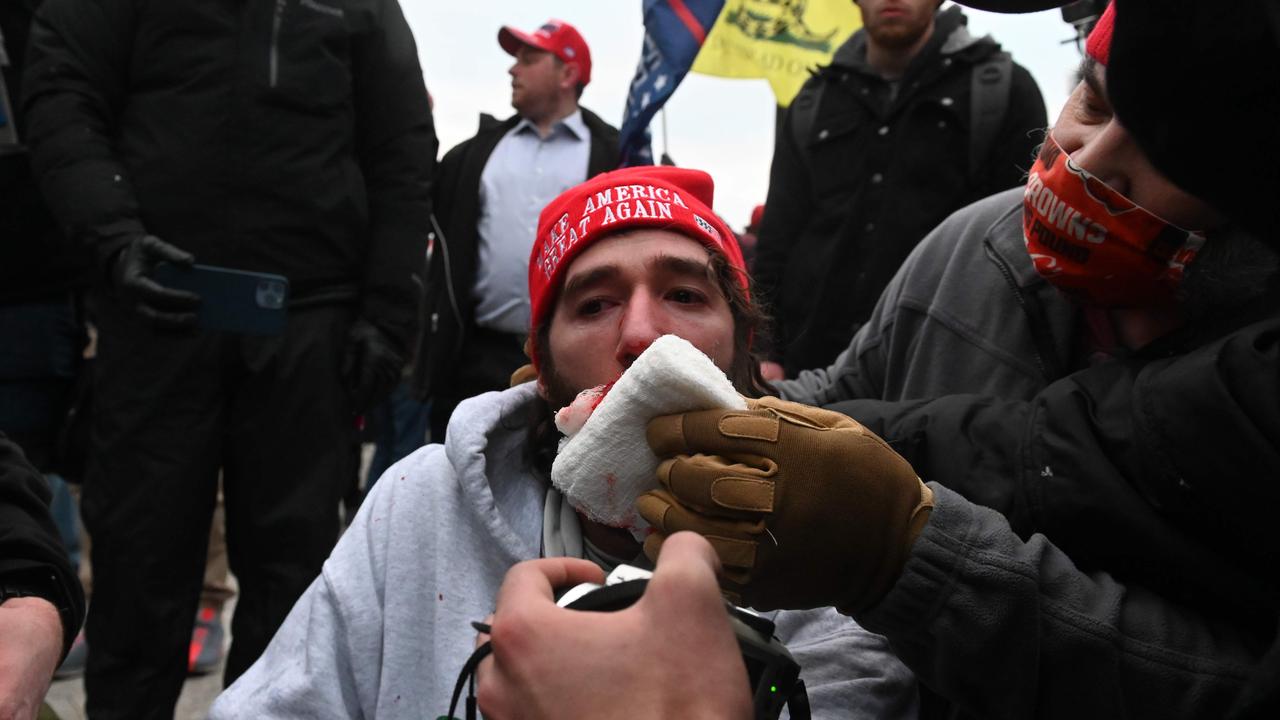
x=1095 y=244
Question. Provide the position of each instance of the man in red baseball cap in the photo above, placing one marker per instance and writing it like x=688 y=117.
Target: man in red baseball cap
x=633 y=210
x=490 y=190
x=556 y=37
x=553 y=66
x=617 y=262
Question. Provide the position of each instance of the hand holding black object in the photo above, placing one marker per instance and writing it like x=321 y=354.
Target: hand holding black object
x=166 y=308
x=371 y=365
x=672 y=653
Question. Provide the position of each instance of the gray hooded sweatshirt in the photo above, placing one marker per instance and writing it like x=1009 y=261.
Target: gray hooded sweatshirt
x=385 y=629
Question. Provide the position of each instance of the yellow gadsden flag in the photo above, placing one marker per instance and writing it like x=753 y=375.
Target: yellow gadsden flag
x=779 y=40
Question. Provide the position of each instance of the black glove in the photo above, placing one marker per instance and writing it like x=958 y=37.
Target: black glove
x=166 y=308
x=371 y=365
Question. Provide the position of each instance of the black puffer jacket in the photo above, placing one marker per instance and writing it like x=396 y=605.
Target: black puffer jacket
x=874 y=176
x=1157 y=471
x=289 y=136
x=449 y=311
x=1160 y=468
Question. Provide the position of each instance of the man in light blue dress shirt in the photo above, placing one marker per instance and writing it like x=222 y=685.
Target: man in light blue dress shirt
x=490 y=190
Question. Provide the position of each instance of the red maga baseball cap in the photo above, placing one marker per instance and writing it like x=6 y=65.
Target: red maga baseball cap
x=648 y=196
x=556 y=37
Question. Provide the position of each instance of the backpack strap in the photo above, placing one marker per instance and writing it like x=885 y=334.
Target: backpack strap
x=989 y=85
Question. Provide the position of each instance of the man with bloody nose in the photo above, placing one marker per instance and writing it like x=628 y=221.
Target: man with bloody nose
x=618 y=262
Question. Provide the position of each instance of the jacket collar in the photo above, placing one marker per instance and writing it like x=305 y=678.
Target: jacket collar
x=489 y=122
x=1006 y=241
x=478 y=421
x=573 y=124
x=592 y=122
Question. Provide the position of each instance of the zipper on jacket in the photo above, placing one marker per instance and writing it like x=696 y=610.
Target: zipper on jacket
x=273 y=59
x=443 y=244
x=1046 y=355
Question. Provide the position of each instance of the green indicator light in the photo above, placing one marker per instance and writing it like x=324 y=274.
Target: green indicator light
x=773 y=688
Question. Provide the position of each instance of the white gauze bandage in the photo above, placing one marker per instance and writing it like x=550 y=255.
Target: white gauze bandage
x=605 y=462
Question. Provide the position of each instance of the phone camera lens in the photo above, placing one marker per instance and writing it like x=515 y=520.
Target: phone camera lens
x=271 y=294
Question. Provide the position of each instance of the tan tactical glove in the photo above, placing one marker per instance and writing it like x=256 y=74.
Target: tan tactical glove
x=805 y=507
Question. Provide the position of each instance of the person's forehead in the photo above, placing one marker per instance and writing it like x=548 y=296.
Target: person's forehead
x=636 y=248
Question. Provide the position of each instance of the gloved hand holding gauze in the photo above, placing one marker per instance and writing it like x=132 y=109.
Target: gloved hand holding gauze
x=605 y=463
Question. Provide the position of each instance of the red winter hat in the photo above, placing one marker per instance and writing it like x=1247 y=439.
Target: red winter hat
x=556 y=37
x=648 y=196
x=1098 y=46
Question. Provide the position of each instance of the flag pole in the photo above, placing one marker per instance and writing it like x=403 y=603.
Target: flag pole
x=664 y=133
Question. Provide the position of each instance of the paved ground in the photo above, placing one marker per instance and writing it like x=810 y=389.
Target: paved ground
x=66 y=697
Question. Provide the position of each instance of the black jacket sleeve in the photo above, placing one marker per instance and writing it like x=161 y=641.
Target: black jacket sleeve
x=73 y=90
x=396 y=145
x=1156 y=470
x=30 y=550
x=1020 y=135
x=604 y=144
x=1006 y=627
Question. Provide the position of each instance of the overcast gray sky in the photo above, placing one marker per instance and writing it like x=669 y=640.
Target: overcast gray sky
x=719 y=125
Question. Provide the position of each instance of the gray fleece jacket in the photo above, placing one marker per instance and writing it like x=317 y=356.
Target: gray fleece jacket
x=385 y=629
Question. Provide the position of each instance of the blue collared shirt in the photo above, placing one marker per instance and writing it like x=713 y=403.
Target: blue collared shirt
x=524 y=173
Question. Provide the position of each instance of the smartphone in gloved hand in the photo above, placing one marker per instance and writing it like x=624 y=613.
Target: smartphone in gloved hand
x=231 y=300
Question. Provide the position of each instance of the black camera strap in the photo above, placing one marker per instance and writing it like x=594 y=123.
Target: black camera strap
x=468 y=677
x=797 y=701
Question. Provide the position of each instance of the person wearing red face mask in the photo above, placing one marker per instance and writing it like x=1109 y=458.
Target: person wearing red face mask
x=1023 y=359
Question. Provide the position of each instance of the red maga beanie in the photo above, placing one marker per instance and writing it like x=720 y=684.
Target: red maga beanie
x=658 y=197
x=556 y=37
x=1098 y=46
